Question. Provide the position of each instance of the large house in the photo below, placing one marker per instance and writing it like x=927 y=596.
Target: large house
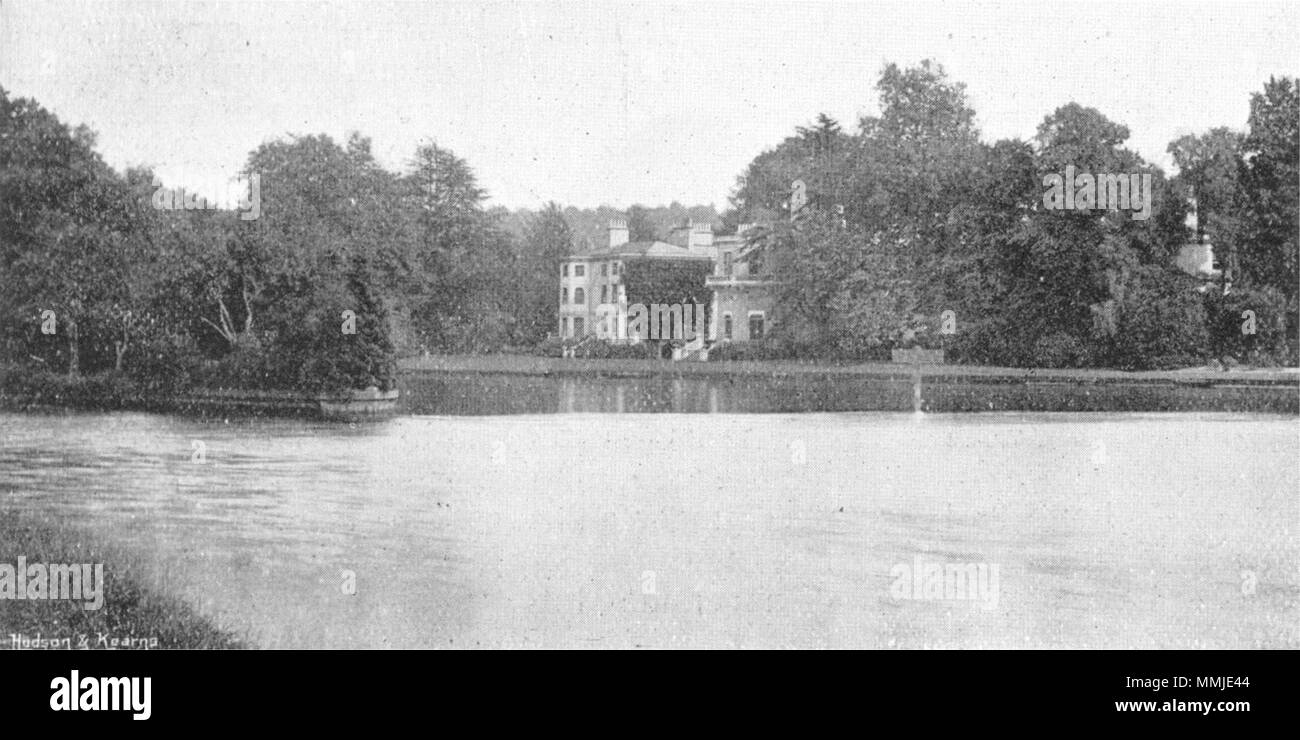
x=594 y=300
x=1197 y=257
x=593 y=295
x=743 y=295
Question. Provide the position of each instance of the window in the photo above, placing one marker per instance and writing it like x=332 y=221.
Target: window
x=579 y=296
x=564 y=270
x=756 y=326
x=564 y=295
x=604 y=294
x=726 y=326
x=726 y=264
x=564 y=328
x=604 y=269
x=579 y=330
x=618 y=267
x=579 y=270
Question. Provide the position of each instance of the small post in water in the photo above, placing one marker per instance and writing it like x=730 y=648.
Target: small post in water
x=916 y=386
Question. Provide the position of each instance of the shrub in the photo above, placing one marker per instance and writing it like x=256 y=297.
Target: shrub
x=1161 y=322
x=600 y=349
x=550 y=347
x=990 y=342
x=28 y=386
x=1226 y=321
x=1059 y=350
x=164 y=363
x=750 y=351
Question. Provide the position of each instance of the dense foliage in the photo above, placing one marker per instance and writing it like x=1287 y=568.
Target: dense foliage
x=666 y=282
x=912 y=216
x=907 y=217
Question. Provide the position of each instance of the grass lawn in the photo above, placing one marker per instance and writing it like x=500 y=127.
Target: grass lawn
x=131 y=613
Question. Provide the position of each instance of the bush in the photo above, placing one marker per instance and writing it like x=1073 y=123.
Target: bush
x=1059 y=350
x=750 y=351
x=1161 y=322
x=550 y=347
x=163 y=364
x=28 y=386
x=991 y=342
x=1224 y=315
x=312 y=353
x=600 y=349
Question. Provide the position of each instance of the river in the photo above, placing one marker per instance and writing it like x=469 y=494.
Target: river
x=693 y=530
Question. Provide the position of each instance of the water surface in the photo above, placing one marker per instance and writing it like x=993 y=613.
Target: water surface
x=661 y=530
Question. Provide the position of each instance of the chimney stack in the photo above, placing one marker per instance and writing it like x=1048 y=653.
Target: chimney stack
x=700 y=238
x=617 y=232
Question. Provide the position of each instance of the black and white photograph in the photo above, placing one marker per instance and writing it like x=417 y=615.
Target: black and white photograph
x=504 y=325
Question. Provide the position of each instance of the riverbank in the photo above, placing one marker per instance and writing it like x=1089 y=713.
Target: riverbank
x=523 y=384
x=628 y=368
x=27 y=389
x=528 y=364
x=132 y=615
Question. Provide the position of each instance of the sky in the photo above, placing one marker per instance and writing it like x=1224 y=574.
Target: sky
x=591 y=103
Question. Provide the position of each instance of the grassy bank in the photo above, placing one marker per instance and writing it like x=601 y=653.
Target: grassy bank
x=532 y=365
x=24 y=388
x=132 y=613
x=30 y=389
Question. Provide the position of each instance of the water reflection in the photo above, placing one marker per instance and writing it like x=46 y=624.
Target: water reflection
x=458 y=393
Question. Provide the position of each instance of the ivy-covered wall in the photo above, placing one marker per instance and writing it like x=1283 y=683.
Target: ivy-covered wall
x=650 y=281
x=668 y=282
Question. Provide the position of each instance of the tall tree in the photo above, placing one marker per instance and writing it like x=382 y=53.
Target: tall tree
x=1270 y=255
x=639 y=226
x=818 y=155
x=70 y=233
x=466 y=257
x=547 y=241
x=1210 y=169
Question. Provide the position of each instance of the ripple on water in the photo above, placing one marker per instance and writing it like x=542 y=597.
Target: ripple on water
x=1110 y=530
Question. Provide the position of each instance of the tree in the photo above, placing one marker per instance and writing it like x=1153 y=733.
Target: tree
x=824 y=135
x=325 y=205
x=273 y=289
x=817 y=155
x=1269 y=253
x=1066 y=293
x=71 y=240
x=548 y=240
x=466 y=259
x=639 y=226
x=1161 y=321
x=1210 y=169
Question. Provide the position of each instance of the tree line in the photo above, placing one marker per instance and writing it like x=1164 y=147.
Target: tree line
x=909 y=215
x=96 y=278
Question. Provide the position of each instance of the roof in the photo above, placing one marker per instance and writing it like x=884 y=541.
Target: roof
x=655 y=249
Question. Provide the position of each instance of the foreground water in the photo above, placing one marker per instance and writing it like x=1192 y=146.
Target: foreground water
x=660 y=530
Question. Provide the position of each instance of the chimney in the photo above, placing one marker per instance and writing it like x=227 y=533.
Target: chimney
x=617 y=232
x=680 y=236
x=1193 y=222
x=700 y=238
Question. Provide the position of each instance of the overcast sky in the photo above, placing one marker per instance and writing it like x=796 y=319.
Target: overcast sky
x=612 y=103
